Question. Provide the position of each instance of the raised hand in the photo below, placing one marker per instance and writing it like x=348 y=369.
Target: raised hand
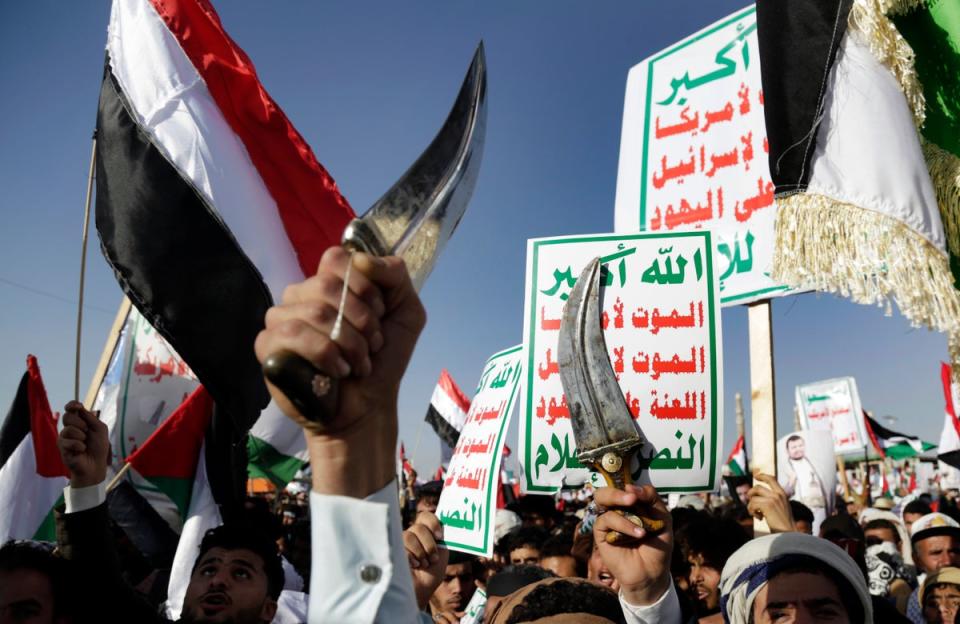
x=640 y=565
x=428 y=562
x=768 y=501
x=84 y=445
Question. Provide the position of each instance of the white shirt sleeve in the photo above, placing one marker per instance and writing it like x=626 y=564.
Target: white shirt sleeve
x=359 y=570
x=666 y=610
x=82 y=499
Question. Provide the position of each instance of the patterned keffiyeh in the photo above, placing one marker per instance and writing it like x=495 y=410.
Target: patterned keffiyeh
x=884 y=566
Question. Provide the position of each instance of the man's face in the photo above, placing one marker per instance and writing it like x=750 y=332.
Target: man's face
x=909 y=518
x=704 y=584
x=228 y=586
x=937 y=552
x=427 y=503
x=525 y=554
x=880 y=535
x=796 y=448
x=455 y=590
x=742 y=491
x=562 y=566
x=940 y=604
x=803 y=526
x=25 y=598
x=598 y=573
x=799 y=598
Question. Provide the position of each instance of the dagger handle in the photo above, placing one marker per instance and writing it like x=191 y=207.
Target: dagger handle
x=619 y=479
x=311 y=391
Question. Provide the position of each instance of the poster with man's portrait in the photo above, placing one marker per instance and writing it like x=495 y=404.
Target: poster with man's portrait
x=807 y=471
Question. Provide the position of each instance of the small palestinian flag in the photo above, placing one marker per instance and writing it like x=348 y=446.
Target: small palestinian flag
x=209 y=202
x=892 y=444
x=169 y=457
x=949 y=450
x=448 y=410
x=32 y=475
x=737 y=461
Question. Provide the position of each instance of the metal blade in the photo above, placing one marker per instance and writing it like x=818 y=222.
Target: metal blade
x=416 y=217
x=598 y=411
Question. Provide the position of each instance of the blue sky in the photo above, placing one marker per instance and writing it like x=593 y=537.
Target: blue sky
x=368 y=84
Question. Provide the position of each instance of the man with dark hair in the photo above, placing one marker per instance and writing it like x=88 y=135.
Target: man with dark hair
x=802 y=517
x=508 y=580
x=706 y=544
x=556 y=556
x=457 y=585
x=236 y=580
x=428 y=496
x=879 y=531
x=34 y=586
x=913 y=511
x=581 y=601
x=523 y=546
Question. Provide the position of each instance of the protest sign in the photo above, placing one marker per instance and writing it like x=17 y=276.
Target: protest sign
x=469 y=497
x=807 y=470
x=661 y=322
x=834 y=405
x=473 y=612
x=693 y=152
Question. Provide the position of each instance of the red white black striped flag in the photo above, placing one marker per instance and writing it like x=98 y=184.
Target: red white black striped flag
x=209 y=202
x=448 y=410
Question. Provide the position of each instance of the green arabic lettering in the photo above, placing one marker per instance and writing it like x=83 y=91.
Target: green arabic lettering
x=561 y=277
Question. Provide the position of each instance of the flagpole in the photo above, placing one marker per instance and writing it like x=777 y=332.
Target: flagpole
x=416 y=445
x=83 y=264
x=738 y=410
x=762 y=394
x=115 y=481
x=112 y=338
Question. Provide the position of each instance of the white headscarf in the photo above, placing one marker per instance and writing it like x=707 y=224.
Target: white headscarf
x=749 y=568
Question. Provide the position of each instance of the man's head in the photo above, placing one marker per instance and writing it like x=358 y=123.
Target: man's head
x=458 y=584
x=578 y=599
x=508 y=580
x=913 y=511
x=940 y=595
x=793 y=577
x=879 y=531
x=796 y=447
x=237 y=578
x=706 y=544
x=598 y=572
x=523 y=546
x=802 y=517
x=936 y=542
x=742 y=491
x=536 y=511
x=428 y=496
x=32 y=585
x=556 y=556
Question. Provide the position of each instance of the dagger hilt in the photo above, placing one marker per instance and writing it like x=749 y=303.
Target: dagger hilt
x=616 y=472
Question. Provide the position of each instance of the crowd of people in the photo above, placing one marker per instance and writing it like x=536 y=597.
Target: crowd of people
x=358 y=549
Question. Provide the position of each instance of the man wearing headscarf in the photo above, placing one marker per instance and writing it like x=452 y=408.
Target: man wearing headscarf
x=936 y=545
x=797 y=575
x=940 y=596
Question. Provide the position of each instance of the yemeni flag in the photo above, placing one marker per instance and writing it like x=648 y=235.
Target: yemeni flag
x=857 y=206
x=737 y=460
x=949 y=450
x=892 y=444
x=447 y=414
x=32 y=475
x=209 y=202
x=169 y=457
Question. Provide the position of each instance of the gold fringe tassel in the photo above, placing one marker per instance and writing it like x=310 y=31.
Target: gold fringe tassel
x=944 y=168
x=828 y=245
x=869 y=22
x=901 y=7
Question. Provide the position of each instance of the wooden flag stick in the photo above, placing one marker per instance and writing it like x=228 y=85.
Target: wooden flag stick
x=115 y=481
x=762 y=396
x=112 y=338
x=83 y=265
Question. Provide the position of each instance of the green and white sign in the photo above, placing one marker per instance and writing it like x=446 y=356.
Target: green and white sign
x=469 y=498
x=693 y=153
x=661 y=322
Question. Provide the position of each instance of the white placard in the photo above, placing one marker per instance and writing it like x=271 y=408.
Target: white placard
x=661 y=319
x=834 y=405
x=469 y=497
x=693 y=152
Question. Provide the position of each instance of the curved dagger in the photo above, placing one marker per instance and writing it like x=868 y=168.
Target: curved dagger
x=603 y=427
x=414 y=220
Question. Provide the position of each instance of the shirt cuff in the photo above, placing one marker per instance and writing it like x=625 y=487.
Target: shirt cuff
x=665 y=610
x=84 y=498
x=359 y=563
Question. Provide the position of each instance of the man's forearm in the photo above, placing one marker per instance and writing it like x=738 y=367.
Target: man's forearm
x=350 y=467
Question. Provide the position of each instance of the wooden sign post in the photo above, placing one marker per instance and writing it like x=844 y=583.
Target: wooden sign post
x=762 y=396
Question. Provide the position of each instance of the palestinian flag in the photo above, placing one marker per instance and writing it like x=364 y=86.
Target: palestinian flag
x=169 y=457
x=737 y=460
x=209 y=202
x=949 y=450
x=32 y=475
x=892 y=444
x=276 y=448
x=857 y=205
x=448 y=410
